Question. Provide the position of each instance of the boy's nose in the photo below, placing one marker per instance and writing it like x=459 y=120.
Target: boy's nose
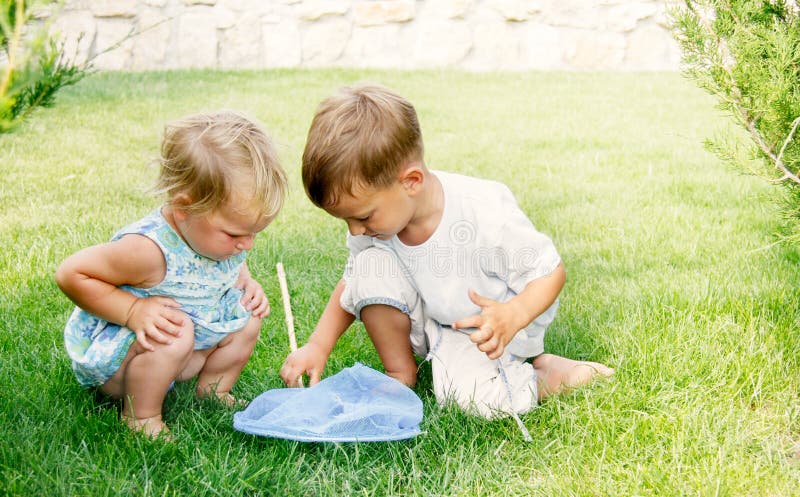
x=356 y=228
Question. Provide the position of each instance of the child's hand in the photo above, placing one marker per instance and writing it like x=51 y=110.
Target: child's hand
x=497 y=324
x=308 y=359
x=254 y=299
x=155 y=318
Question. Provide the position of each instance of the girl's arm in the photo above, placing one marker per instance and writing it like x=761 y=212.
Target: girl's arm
x=91 y=276
x=254 y=298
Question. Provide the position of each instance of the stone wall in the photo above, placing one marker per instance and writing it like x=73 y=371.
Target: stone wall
x=469 y=34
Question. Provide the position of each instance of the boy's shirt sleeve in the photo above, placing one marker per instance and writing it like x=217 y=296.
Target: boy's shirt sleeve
x=524 y=254
x=355 y=244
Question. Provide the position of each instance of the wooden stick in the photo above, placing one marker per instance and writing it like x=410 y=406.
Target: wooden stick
x=287 y=311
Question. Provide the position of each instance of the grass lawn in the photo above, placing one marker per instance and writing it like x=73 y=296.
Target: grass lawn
x=673 y=279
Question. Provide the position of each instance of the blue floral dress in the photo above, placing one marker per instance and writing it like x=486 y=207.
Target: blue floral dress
x=203 y=287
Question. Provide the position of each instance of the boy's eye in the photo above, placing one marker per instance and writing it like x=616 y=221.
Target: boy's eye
x=362 y=219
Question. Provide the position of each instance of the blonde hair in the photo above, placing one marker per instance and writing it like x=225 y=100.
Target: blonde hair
x=361 y=136
x=210 y=157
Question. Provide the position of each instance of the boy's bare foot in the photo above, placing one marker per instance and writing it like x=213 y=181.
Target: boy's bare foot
x=557 y=373
x=152 y=427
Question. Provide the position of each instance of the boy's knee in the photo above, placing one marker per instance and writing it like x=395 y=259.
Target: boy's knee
x=487 y=391
x=407 y=377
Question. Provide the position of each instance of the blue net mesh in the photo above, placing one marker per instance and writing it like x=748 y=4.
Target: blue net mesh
x=356 y=404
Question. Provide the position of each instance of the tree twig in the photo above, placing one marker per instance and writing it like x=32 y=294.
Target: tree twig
x=748 y=120
x=19 y=21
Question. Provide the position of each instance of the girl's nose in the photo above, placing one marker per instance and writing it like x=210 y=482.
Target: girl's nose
x=246 y=243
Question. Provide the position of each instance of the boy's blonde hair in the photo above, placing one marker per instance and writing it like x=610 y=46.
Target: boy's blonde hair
x=217 y=157
x=360 y=137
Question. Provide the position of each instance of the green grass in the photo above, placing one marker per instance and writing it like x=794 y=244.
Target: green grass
x=673 y=279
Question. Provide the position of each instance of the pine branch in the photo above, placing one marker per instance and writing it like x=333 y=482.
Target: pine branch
x=727 y=62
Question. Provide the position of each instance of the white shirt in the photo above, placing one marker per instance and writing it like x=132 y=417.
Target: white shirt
x=484 y=242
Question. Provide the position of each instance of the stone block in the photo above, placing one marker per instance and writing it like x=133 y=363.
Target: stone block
x=313 y=10
x=151 y=44
x=445 y=9
x=626 y=17
x=197 y=38
x=442 y=44
x=257 y=7
x=387 y=46
x=583 y=14
x=114 y=8
x=281 y=45
x=495 y=45
x=651 y=48
x=111 y=32
x=541 y=47
x=226 y=18
x=76 y=4
x=76 y=30
x=240 y=45
x=324 y=42
x=373 y=13
x=513 y=10
x=594 y=50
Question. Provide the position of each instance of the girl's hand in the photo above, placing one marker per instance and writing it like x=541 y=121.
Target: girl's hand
x=497 y=324
x=155 y=318
x=254 y=299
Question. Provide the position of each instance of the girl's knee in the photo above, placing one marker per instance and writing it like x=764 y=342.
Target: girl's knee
x=252 y=330
x=181 y=347
x=239 y=346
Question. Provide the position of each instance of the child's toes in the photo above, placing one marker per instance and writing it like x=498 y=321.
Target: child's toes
x=229 y=400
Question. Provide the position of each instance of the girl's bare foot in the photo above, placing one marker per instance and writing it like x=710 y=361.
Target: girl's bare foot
x=225 y=398
x=230 y=401
x=557 y=373
x=152 y=427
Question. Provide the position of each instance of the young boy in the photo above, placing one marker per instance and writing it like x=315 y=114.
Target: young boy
x=441 y=265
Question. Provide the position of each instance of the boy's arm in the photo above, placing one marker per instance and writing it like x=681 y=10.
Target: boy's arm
x=498 y=322
x=91 y=277
x=311 y=358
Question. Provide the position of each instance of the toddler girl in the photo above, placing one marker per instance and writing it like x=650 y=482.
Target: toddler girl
x=170 y=297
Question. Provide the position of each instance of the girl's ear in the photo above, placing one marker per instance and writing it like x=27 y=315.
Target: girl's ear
x=179 y=204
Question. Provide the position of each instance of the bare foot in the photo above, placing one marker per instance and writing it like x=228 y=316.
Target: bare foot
x=226 y=399
x=152 y=427
x=557 y=374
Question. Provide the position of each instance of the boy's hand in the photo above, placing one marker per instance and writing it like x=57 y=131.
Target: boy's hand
x=497 y=324
x=254 y=298
x=156 y=318
x=309 y=359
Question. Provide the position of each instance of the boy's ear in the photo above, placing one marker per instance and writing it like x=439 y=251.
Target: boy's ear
x=412 y=178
